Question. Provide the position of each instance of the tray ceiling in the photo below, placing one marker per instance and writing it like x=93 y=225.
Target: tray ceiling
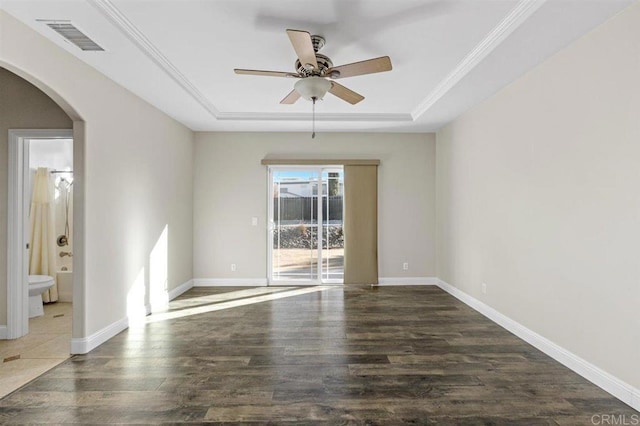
x=447 y=55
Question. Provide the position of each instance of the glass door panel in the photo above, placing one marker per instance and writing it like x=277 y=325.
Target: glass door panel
x=295 y=225
x=306 y=241
x=332 y=236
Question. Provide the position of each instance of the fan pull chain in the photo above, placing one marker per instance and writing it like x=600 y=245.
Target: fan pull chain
x=313 y=119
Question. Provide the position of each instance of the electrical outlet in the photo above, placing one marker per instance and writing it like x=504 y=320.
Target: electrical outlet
x=484 y=288
x=233 y=267
x=405 y=266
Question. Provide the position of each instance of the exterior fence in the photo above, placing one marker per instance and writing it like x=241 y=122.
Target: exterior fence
x=305 y=209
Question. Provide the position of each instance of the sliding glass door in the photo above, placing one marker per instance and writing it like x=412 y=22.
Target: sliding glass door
x=306 y=244
x=332 y=259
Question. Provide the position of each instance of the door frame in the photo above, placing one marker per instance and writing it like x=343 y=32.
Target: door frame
x=271 y=225
x=17 y=220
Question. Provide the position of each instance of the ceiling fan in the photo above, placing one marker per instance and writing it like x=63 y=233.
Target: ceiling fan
x=314 y=71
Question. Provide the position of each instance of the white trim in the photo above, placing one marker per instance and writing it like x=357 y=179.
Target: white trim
x=3 y=331
x=87 y=344
x=391 y=281
x=252 y=282
x=293 y=116
x=515 y=18
x=17 y=292
x=17 y=211
x=518 y=15
x=635 y=399
x=616 y=387
x=182 y=288
x=161 y=306
x=303 y=283
x=120 y=21
x=271 y=226
x=83 y=345
x=229 y=282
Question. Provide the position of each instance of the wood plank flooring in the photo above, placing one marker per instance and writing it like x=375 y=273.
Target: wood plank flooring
x=354 y=355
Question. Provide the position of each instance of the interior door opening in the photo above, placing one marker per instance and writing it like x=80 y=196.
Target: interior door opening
x=306 y=241
x=41 y=222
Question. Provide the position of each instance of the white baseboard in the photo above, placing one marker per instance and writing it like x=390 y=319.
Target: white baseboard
x=229 y=282
x=3 y=332
x=85 y=344
x=635 y=399
x=180 y=289
x=407 y=281
x=260 y=282
x=161 y=305
x=616 y=387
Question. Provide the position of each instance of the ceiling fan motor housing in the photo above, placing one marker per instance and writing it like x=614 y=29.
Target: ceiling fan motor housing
x=324 y=63
x=318 y=42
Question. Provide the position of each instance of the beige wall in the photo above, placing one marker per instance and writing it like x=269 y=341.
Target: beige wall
x=537 y=196
x=22 y=106
x=137 y=175
x=230 y=187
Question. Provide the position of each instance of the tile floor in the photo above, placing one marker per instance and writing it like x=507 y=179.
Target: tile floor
x=46 y=345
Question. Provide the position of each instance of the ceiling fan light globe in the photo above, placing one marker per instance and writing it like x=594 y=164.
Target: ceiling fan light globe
x=312 y=87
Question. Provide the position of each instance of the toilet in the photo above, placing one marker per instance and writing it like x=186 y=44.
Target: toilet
x=38 y=284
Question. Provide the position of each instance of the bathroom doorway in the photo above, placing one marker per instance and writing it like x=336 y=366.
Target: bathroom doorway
x=40 y=255
x=56 y=156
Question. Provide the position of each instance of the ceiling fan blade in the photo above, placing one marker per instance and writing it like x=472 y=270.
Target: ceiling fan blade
x=291 y=98
x=345 y=94
x=266 y=73
x=301 y=41
x=359 y=68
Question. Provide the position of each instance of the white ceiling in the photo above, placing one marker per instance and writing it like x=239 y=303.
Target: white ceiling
x=447 y=55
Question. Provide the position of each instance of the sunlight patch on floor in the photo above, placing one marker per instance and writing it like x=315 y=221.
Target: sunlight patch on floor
x=232 y=295
x=165 y=316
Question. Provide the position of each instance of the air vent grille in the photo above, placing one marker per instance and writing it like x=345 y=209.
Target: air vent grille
x=75 y=36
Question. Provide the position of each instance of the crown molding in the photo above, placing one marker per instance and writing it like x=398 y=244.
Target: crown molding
x=289 y=116
x=518 y=15
x=121 y=22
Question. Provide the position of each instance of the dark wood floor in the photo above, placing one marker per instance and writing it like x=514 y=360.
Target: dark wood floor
x=388 y=355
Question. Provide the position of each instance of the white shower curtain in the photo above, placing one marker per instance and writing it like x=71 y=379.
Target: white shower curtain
x=42 y=252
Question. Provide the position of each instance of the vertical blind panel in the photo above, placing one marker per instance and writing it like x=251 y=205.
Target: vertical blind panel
x=361 y=224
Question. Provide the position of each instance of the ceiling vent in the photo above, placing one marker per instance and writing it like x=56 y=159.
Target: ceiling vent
x=67 y=30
